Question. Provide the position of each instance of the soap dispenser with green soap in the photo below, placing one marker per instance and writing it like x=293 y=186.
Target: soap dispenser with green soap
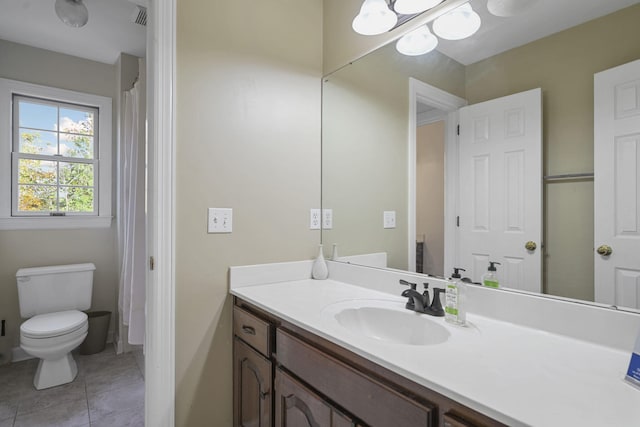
x=455 y=310
x=490 y=279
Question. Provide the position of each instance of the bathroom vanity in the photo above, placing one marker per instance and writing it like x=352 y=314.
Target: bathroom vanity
x=300 y=358
x=319 y=383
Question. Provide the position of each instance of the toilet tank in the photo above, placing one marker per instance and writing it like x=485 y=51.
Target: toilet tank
x=54 y=288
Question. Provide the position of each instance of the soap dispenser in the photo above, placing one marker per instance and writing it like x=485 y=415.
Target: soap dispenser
x=455 y=310
x=490 y=279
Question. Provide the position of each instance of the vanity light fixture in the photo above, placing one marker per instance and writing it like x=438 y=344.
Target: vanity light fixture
x=457 y=24
x=375 y=17
x=506 y=8
x=72 y=12
x=417 y=42
x=409 y=7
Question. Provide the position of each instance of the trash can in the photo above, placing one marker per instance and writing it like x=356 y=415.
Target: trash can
x=97 y=335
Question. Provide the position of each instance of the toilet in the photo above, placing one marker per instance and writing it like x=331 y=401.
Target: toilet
x=51 y=299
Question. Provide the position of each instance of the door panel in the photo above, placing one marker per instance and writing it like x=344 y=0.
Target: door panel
x=252 y=387
x=617 y=184
x=296 y=406
x=501 y=189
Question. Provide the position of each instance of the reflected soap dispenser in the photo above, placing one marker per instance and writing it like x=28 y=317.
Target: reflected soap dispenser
x=455 y=310
x=490 y=279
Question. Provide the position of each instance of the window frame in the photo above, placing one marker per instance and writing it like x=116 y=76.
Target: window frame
x=10 y=218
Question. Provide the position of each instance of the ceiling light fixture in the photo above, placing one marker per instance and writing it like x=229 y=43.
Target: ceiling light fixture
x=409 y=7
x=457 y=24
x=72 y=12
x=417 y=42
x=375 y=17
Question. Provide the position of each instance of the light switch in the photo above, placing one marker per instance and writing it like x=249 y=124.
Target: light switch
x=220 y=220
x=389 y=219
x=314 y=219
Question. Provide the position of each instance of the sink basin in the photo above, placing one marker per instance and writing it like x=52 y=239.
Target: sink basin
x=386 y=321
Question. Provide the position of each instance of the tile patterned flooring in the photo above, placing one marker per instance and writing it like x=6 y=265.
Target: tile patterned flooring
x=108 y=391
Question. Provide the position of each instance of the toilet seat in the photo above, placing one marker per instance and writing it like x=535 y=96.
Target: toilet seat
x=54 y=324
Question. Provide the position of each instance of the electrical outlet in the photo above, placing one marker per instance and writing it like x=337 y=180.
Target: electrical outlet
x=220 y=220
x=327 y=219
x=314 y=219
x=389 y=219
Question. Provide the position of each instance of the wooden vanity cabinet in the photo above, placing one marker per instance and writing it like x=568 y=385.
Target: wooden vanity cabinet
x=285 y=376
x=298 y=406
x=252 y=370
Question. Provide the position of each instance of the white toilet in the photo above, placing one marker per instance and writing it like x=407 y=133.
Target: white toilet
x=52 y=297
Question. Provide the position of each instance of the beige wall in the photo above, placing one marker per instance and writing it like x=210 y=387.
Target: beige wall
x=248 y=138
x=48 y=247
x=430 y=195
x=365 y=134
x=563 y=65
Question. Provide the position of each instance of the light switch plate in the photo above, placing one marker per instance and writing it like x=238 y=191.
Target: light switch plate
x=220 y=220
x=389 y=219
x=314 y=219
x=327 y=219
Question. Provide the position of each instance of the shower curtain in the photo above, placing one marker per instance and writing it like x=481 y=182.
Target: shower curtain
x=131 y=221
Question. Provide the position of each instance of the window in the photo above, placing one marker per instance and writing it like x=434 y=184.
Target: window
x=54 y=158
x=55 y=169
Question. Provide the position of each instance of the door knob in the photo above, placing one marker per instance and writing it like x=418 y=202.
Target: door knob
x=530 y=246
x=605 y=250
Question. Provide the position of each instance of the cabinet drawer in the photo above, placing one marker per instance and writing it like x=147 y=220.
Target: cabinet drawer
x=252 y=330
x=452 y=420
x=352 y=390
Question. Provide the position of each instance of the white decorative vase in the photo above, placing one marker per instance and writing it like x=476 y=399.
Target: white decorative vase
x=320 y=270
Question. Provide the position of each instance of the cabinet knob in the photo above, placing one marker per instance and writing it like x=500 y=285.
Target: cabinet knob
x=248 y=330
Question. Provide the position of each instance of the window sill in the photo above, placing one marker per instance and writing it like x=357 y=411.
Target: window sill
x=55 y=223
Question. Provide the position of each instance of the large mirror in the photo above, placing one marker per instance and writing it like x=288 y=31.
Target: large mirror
x=402 y=185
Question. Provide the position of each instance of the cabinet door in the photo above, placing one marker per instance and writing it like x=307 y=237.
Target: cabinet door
x=296 y=406
x=252 y=379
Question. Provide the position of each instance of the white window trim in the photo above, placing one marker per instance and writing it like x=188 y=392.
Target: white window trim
x=103 y=219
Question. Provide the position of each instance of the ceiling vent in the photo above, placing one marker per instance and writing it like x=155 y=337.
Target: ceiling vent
x=140 y=16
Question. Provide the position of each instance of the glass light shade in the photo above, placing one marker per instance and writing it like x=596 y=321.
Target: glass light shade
x=417 y=42
x=409 y=7
x=375 y=17
x=457 y=24
x=506 y=8
x=72 y=12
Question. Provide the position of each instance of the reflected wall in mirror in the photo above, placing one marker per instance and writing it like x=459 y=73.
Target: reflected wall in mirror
x=366 y=143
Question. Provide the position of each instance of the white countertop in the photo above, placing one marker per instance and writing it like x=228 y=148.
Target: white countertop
x=514 y=374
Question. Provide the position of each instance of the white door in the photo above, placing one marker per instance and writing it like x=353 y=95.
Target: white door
x=500 y=205
x=617 y=185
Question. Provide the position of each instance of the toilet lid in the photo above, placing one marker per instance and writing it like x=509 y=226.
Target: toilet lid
x=53 y=324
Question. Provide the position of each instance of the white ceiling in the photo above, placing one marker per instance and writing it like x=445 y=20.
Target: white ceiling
x=110 y=29
x=541 y=19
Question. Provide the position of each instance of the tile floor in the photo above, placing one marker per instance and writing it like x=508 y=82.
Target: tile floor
x=108 y=391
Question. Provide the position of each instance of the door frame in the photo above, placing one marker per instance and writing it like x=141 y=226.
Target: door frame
x=160 y=286
x=450 y=104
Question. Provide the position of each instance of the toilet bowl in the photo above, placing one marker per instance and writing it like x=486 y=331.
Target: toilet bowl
x=51 y=298
x=51 y=337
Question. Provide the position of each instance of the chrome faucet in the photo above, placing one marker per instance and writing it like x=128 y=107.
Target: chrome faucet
x=421 y=303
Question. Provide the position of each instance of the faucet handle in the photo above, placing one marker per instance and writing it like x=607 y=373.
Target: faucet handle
x=412 y=286
x=405 y=283
x=436 y=305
